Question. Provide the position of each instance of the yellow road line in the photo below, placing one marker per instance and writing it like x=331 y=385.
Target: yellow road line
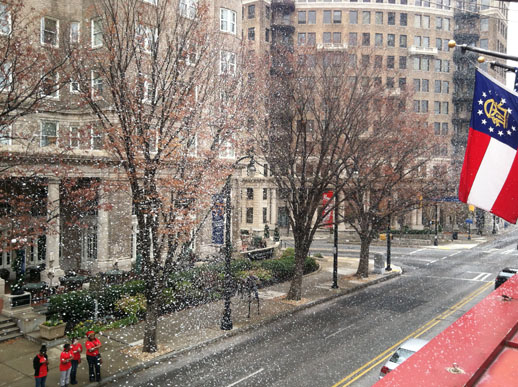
x=358 y=373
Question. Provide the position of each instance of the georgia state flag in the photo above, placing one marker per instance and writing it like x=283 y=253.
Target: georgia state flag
x=489 y=178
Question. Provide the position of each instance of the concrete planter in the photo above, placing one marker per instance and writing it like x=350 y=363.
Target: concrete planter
x=51 y=333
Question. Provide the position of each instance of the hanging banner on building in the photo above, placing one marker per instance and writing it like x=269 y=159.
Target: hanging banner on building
x=328 y=216
x=218 y=218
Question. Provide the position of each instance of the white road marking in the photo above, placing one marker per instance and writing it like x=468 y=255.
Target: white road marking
x=338 y=331
x=432 y=262
x=454 y=278
x=507 y=252
x=480 y=276
x=451 y=255
x=444 y=257
x=415 y=251
x=246 y=377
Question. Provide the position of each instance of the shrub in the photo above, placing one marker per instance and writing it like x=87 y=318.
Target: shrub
x=283 y=268
x=131 y=305
x=52 y=323
x=72 y=307
x=288 y=252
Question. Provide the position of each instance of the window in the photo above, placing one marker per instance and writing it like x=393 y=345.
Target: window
x=402 y=62
x=403 y=19
x=378 y=61
x=353 y=39
x=391 y=40
x=188 y=8
x=326 y=37
x=337 y=17
x=226 y=150
x=437 y=128
x=268 y=12
x=6 y=78
x=390 y=62
x=391 y=18
x=74 y=136
x=425 y=85
x=438 y=44
x=353 y=17
x=227 y=63
x=145 y=38
x=390 y=82
x=97 y=84
x=265 y=215
x=302 y=17
x=301 y=38
x=484 y=24
x=337 y=37
x=251 y=33
x=424 y=106
x=446 y=24
x=402 y=41
x=265 y=193
x=438 y=23
x=49 y=85
x=417 y=85
x=249 y=215
x=5 y=135
x=378 y=40
x=227 y=20
x=426 y=21
x=379 y=18
x=74 y=86
x=437 y=107
x=49 y=31
x=5 y=20
x=327 y=17
x=417 y=21
x=365 y=61
x=402 y=83
x=250 y=193
x=445 y=107
x=484 y=43
x=49 y=133
x=251 y=11
x=312 y=38
x=445 y=87
x=426 y=41
x=97 y=33
x=312 y=17
x=366 y=17
x=437 y=87
x=74 y=32
x=437 y=65
x=445 y=68
x=366 y=39
x=417 y=41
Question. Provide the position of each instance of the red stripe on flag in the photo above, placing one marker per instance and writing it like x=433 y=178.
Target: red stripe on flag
x=475 y=151
x=506 y=205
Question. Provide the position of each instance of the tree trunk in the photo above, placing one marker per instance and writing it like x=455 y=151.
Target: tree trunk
x=295 y=292
x=363 y=266
x=150 y=329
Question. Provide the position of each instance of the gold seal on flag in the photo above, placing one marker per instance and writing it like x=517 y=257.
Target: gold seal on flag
x=498 y=114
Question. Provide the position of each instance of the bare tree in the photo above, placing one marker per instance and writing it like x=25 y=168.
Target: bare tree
x=166 y=94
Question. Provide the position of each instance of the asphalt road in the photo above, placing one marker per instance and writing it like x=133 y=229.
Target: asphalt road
x=346 y=341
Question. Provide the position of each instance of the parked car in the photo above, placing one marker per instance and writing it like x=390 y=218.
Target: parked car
x=504 y=275
x=407 y=349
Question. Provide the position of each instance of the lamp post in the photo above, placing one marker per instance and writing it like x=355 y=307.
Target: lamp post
x=435 y=238
x=335 y=240
x=388 y=268
x=226 y=320
x=494 y=224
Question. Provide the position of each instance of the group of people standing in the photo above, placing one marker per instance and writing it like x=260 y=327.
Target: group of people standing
x=69 y=361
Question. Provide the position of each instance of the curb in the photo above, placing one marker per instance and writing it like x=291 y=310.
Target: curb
x=238 y=331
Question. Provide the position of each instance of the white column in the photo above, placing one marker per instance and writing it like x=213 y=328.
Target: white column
x=53 y=269
x=103 y=234
x=274 y=210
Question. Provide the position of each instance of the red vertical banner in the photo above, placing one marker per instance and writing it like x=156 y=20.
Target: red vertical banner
x=328 y=216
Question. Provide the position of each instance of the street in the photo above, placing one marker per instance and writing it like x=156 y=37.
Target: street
x=346 y=341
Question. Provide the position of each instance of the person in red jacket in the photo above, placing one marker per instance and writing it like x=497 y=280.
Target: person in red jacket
x=76 y=348
x=65 y=364
x=93 y=356
x=41 y=367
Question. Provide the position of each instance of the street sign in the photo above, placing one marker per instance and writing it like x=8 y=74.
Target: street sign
x=470 y=221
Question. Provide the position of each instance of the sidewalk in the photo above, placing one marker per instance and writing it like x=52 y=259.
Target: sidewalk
x=186 y=329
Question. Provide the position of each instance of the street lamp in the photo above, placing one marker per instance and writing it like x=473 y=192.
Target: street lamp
x=494 y=224
x=388 y=268
x=226 y=320
x=435 y=238
x=335 y=239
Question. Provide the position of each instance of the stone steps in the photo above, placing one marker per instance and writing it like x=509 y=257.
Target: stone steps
x=8 y=329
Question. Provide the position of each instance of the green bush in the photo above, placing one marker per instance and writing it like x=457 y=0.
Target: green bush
x=288 y=252
x=131 y=305
x=72 y=307
x=283 y=268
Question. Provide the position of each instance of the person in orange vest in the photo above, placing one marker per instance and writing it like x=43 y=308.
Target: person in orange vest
x=41 y=366
x=65 y=364
x=93 y=356
x=76 y=348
